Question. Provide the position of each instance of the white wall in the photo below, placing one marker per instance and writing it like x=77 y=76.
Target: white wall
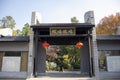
x=6 y=32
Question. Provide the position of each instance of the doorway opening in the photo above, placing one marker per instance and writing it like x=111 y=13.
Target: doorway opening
x=62 y=58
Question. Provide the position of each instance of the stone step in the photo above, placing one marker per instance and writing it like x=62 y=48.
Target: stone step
x=63 y=74
x=58 y=78
x=70 y=75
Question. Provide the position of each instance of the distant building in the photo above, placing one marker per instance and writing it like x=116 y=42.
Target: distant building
x=6 y=32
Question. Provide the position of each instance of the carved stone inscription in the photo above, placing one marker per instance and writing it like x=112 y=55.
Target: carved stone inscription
x=113 y=63
x=11 y=64
x=62 y=31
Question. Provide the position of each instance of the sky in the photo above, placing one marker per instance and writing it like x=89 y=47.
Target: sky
x=56 y=11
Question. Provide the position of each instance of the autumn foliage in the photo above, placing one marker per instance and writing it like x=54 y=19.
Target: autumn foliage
x=108 y=25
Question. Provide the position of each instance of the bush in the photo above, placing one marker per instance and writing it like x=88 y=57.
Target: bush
x=76 y=65
x=50 y=66
x=66 y=64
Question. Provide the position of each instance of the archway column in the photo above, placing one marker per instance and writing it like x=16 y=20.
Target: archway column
x=84 y=58
x=41 y=57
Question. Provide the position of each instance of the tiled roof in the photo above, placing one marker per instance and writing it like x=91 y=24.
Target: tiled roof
x=26 y=38
x=108 y=37
x=14 y=39
x=83 y=25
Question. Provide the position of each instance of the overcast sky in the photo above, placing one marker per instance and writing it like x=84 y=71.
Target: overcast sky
x=56 y=11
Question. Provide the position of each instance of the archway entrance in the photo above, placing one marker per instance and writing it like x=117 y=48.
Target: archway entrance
x=63 y=34
x=63 y=58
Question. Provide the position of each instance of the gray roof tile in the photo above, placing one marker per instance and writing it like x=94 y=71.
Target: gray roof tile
x=108 y=37
x=26 y=38
x=14 y=38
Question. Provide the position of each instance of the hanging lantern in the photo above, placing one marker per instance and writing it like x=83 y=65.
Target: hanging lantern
x=79 y=45
x=45 y=45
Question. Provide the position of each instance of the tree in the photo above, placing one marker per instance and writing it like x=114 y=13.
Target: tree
x=74 y=20
x=73 y=52
x=108 y=25
x=8 y=22
x=14 y=33
x=26 y=30
x=70 y=55
x=18 y=32
x=74 y=56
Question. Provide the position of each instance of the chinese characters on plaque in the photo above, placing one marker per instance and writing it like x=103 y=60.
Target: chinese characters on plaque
x=62 y=31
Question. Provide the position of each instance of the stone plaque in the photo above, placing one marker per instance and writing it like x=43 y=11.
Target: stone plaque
x=62 y=31
x=11 y=64
x=113 y=63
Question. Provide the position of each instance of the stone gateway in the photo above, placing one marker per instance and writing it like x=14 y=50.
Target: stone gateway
x=25 y=57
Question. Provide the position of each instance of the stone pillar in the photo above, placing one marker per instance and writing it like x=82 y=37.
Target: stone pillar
x=35 y=19
x=95 y=55
x=89 y=18
x=41 y=65
x=84 y=58
x=31 y=54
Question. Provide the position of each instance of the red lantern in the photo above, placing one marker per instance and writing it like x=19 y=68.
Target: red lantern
x=79 y=45
x=45 y=45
